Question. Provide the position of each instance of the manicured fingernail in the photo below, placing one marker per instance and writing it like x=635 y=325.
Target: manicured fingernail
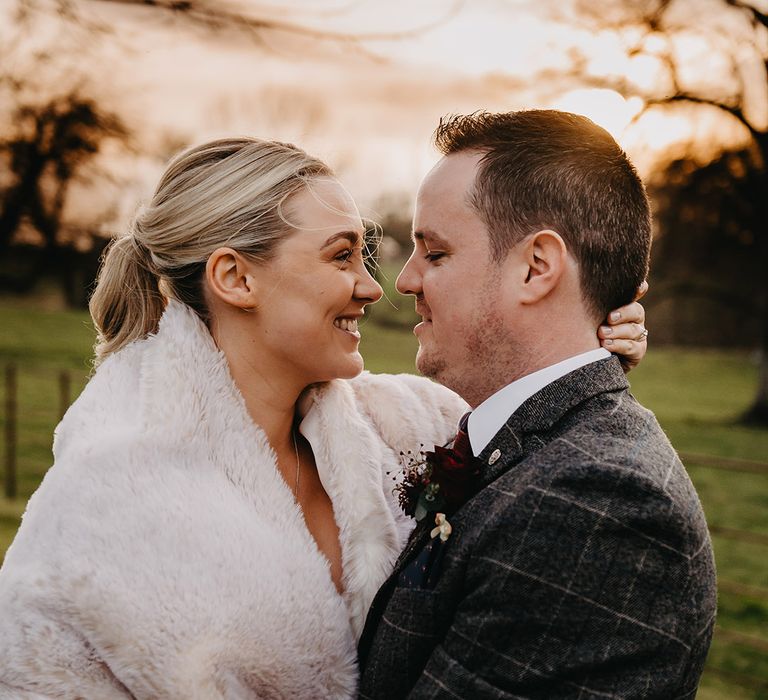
x=615 y=315
x=607 y=330
x=607 y=341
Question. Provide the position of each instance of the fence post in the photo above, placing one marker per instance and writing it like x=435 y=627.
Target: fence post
x=65 y=383
x=10 y=430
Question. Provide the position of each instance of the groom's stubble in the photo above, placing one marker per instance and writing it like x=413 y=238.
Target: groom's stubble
x=490 y=357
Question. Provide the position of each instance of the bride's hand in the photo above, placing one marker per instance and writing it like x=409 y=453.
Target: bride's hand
x=624 y=333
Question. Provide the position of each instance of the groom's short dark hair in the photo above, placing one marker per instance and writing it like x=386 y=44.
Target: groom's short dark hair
x=556 y=170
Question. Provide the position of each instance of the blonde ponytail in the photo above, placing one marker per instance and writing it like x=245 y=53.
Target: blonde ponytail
x=127 y=304
x=229 y=192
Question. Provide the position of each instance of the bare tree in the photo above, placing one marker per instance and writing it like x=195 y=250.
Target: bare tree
x=734 y=34
x=704 y=257
x=50 y=143
x=52 y=129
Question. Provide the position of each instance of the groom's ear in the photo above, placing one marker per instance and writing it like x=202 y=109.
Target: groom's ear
x=230 y=278
x=545 y=256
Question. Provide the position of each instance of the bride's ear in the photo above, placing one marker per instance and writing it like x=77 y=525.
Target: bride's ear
x=230 y=278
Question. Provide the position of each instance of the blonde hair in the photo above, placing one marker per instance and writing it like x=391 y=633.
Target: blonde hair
x=228 y=192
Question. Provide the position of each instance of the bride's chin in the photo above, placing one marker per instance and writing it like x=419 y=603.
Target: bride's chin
x=352 y=368
x=353 y=371
x=346 y=370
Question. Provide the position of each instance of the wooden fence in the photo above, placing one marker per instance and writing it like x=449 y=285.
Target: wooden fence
x=11 y=416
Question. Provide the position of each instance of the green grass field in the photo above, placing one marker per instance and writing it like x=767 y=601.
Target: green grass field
x=697 y=397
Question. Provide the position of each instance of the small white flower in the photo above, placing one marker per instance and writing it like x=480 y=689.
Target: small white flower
x=443 y=527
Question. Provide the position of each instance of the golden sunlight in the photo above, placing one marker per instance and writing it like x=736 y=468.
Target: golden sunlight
x=607 y=108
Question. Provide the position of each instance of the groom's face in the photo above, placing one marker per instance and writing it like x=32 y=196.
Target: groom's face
x=459 y=289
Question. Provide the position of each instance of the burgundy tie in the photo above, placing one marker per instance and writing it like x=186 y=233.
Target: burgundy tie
x=461 y=444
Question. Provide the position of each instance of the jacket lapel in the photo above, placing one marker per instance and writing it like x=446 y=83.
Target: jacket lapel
x=538 y=414
x=507 y=449
x=545 y=409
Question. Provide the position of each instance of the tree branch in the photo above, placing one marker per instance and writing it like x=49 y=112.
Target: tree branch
x=690 y=98
x=221 y=18
x=758 y=17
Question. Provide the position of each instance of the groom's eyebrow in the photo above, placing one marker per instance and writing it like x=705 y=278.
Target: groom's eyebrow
x=429 y=237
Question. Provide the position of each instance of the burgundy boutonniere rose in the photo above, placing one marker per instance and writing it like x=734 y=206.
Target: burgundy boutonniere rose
x=438 y=481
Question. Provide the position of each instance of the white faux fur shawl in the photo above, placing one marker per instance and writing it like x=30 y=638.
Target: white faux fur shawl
x=164 y=557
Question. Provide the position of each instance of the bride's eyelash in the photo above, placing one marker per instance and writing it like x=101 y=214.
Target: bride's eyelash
x=433 y=256
x=345 y=255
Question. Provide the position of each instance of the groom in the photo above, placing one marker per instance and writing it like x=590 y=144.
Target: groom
x=578 y=564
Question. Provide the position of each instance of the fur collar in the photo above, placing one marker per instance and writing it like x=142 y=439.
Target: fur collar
x=186 y=394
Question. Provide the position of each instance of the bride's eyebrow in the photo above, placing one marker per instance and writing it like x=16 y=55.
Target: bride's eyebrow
x=352 y=236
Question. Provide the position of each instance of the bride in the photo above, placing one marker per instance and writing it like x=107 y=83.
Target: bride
x=220 y=512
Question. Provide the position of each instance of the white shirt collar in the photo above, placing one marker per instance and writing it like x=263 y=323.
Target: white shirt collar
x=488 y=418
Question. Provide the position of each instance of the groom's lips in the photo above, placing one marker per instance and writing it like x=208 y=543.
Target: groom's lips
x=425 y=321
x=426 y=317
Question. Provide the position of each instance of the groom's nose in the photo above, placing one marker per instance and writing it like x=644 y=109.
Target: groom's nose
x=409 y=279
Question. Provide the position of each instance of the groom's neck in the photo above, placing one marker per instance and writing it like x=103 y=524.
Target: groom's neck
x=548 y=341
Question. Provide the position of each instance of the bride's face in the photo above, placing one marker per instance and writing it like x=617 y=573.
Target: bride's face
x=316 y=287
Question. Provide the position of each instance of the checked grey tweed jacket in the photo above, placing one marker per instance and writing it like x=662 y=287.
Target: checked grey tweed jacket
x=582 y=569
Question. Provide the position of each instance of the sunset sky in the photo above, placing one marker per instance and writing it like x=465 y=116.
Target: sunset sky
x=368 y=107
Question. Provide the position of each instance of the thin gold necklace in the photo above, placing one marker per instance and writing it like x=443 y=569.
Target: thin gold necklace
x=298 y=464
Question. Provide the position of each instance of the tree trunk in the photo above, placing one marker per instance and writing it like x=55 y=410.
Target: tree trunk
x=758 y=412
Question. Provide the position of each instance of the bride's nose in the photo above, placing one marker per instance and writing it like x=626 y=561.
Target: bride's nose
x=367 y=289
